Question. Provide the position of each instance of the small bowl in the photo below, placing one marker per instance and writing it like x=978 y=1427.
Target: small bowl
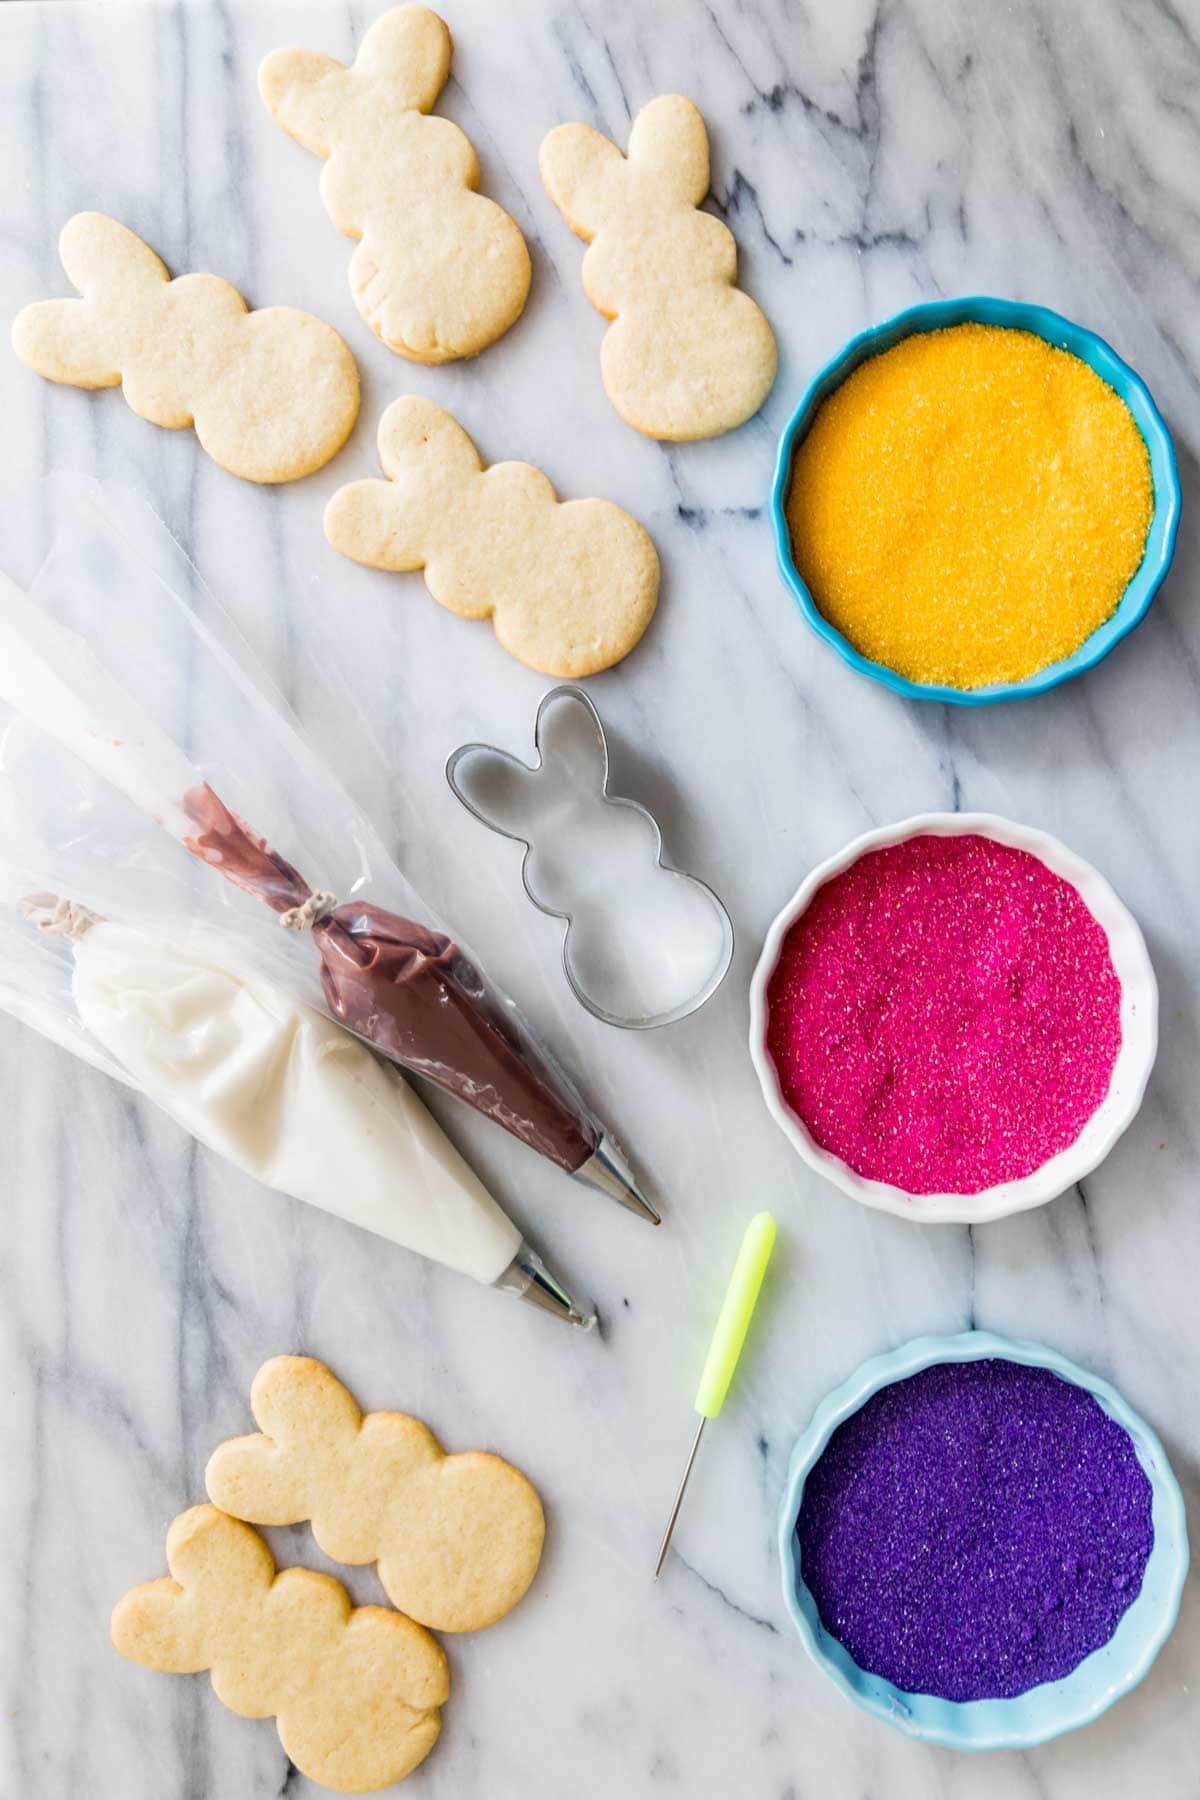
x=1131 y=1072
x=1042 y=1712
x=1064 y=334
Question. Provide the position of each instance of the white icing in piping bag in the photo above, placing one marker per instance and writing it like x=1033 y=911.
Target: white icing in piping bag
x=289 y=1096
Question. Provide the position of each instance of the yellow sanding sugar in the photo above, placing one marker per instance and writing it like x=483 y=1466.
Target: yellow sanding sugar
x=970 y=505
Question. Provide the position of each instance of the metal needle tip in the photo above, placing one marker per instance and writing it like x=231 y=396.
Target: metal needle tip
x=669 y=1532
x=530 y=1280
x=607 y=1169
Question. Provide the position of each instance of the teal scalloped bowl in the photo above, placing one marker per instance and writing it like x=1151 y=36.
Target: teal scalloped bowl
x=985 y=309
x=1055 y=1707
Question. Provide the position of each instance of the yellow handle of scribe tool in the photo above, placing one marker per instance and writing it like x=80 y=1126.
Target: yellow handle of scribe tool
x=737 y=1310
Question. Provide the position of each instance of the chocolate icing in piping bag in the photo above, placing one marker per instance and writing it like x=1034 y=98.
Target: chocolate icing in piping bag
x=409 y=991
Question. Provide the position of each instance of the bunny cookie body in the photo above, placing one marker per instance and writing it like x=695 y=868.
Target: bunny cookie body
x=440 y=271
x=570 y=586
x=688 y=355
x=355 y=1690
x=273 y=394
x=457 y=1538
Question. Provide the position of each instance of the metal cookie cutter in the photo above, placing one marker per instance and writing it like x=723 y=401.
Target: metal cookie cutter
x=645 y=944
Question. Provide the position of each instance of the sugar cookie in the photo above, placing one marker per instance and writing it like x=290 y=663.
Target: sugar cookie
x=688 y=355
x=273 y=394
x=440 y=271
x=457 y=1538
x=355 y=1691
x=569 y=586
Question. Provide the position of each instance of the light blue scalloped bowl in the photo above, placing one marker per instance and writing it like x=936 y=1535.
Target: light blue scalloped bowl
x=1043 y=1712
x=933 y=315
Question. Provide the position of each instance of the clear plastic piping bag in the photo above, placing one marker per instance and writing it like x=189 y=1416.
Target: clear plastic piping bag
x=131 y=716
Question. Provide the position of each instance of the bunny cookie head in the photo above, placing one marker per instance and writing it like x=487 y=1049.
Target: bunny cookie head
x=440 y=271
x=355 y=1691
x=688 y=355
x=570 y=587
x=457 y=1538
x=272 y=394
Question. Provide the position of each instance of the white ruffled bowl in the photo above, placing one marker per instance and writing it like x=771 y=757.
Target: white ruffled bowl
x=1131 y=1072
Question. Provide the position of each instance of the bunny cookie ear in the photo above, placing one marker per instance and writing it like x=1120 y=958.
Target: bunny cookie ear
x=57 y=340
x=166 y=1624
x=99 y=252
x=301 y=91
x=299 y=1401
x=411 y=47
x=151 y=1625
x=425 y=453
x=579 y=167
x=66 y=340
x=669 y=137
x=306 y=1415
x=369 y=522
x=206 y=1548
x=415 y=432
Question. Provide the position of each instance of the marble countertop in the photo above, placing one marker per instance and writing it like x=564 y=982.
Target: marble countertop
x=867 y=154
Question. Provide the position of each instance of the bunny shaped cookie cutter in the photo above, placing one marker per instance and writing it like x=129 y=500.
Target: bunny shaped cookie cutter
x=635 y=966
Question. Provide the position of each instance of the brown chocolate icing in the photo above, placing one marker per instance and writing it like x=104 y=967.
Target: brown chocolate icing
x=411 y=992
x=224 y=842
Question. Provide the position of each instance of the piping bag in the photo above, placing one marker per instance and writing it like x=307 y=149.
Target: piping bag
x=97 y=618
x=268 y=1083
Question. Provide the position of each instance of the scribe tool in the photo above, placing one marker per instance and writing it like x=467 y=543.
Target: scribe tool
x=737 y=1310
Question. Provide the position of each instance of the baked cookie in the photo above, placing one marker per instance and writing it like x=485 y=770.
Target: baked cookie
x=688 y=355
x=440 y=271
x=355 y=1691
x=457 y=1538
x=273 y=394
x=569 y=586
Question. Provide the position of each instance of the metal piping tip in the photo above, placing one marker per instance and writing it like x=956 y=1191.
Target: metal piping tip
x=530 y=1280
x=607 y=1169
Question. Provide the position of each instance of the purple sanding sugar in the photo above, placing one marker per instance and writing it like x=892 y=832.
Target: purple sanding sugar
x=975 y=1529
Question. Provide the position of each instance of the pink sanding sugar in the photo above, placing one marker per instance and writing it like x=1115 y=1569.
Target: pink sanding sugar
x=945 y=1015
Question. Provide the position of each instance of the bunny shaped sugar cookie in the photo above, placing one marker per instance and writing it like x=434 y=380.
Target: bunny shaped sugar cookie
x=440 y=271
x=569 y=586
x=355 y=1691
x=457 y=1538
x=273 y=394
x=688 y=355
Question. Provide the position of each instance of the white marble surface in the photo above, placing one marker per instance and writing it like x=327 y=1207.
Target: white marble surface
x=867 y=155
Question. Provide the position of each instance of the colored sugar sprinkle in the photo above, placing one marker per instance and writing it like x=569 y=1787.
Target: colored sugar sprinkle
x=945 y=1015
x=970 y=505
x=975 y=1529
